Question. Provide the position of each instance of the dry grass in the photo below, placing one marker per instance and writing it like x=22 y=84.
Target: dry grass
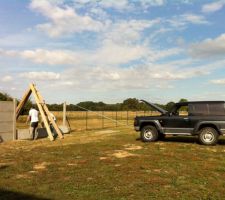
x=111 y=164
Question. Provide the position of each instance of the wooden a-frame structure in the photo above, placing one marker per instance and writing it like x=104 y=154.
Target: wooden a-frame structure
x=43 y=109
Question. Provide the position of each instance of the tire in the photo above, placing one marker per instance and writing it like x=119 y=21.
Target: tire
x=149 y=134
x=208 y=136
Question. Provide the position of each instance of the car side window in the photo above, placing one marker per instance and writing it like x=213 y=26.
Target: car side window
x=181 y=111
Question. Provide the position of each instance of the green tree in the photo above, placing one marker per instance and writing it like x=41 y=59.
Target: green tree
x=183 y=100
x=183 y=108
x=5 y=97
x=130 y=104
x=169 y=105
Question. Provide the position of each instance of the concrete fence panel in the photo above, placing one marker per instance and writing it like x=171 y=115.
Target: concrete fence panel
x=7 y=120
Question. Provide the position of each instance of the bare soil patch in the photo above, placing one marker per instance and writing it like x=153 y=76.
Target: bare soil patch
x=41 y=166
x=132 y=147
x=122 y=154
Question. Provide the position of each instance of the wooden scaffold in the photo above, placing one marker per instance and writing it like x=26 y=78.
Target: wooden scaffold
x=43 y=109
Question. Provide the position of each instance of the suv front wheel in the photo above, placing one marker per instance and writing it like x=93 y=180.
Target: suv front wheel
x=149 y=134
x=208 y=136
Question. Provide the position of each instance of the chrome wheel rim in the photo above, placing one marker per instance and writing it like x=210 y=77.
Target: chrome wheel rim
x=208 y=137
x=148 y=134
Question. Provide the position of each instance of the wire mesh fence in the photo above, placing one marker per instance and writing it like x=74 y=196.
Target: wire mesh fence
x=89 y=120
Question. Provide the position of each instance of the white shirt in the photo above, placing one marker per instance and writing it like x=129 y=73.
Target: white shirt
x=33 y=115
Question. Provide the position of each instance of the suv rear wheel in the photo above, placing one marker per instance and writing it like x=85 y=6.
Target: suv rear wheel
x=208 y=136
x=149 y=134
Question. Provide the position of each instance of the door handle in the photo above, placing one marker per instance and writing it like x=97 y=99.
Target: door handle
x=186 y=118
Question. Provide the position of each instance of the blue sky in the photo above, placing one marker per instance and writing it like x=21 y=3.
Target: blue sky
x=107 y=50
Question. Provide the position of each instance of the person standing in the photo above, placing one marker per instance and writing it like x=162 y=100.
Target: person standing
x=33 y=118
x=54 y=134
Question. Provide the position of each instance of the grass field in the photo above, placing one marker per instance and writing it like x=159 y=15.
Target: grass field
x=111 y=164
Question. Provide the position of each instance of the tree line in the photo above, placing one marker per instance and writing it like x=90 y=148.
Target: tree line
x=131 y=104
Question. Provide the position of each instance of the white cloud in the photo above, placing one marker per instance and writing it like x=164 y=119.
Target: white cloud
x=54 y=57
x=115 y=54
x=63 y=19
x=218 y=81
x=120 y=5
x=40 y=76
x=149 y=3
x=6 y=78
x=109 y=54
x=131 y=30
x=213 y=7
x=209 y=48
x=185 y=19
x=147 y=76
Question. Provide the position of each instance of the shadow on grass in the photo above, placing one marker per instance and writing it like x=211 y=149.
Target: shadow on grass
x=11 y=195
x=4 y=167
x=183 y=139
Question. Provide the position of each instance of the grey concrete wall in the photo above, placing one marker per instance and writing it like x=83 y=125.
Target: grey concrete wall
x=6 y=120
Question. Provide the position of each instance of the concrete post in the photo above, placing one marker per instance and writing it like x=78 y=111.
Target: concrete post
x=14 y=118
x=64 y=114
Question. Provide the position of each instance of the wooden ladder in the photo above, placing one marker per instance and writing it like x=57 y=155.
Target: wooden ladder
x=43 y=109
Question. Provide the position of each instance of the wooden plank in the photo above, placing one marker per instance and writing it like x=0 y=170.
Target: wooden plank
x=23 y=102
x=38 y=102
x=49 y=116
x=6 y=106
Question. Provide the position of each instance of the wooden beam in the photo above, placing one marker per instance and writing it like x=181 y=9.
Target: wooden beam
x=39 y=103
x=49 y=116
x=23 y=102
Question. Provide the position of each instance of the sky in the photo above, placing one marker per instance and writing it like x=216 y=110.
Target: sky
x=110 y=50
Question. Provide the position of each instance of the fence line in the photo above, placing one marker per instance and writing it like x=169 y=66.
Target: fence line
x=89 y=120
